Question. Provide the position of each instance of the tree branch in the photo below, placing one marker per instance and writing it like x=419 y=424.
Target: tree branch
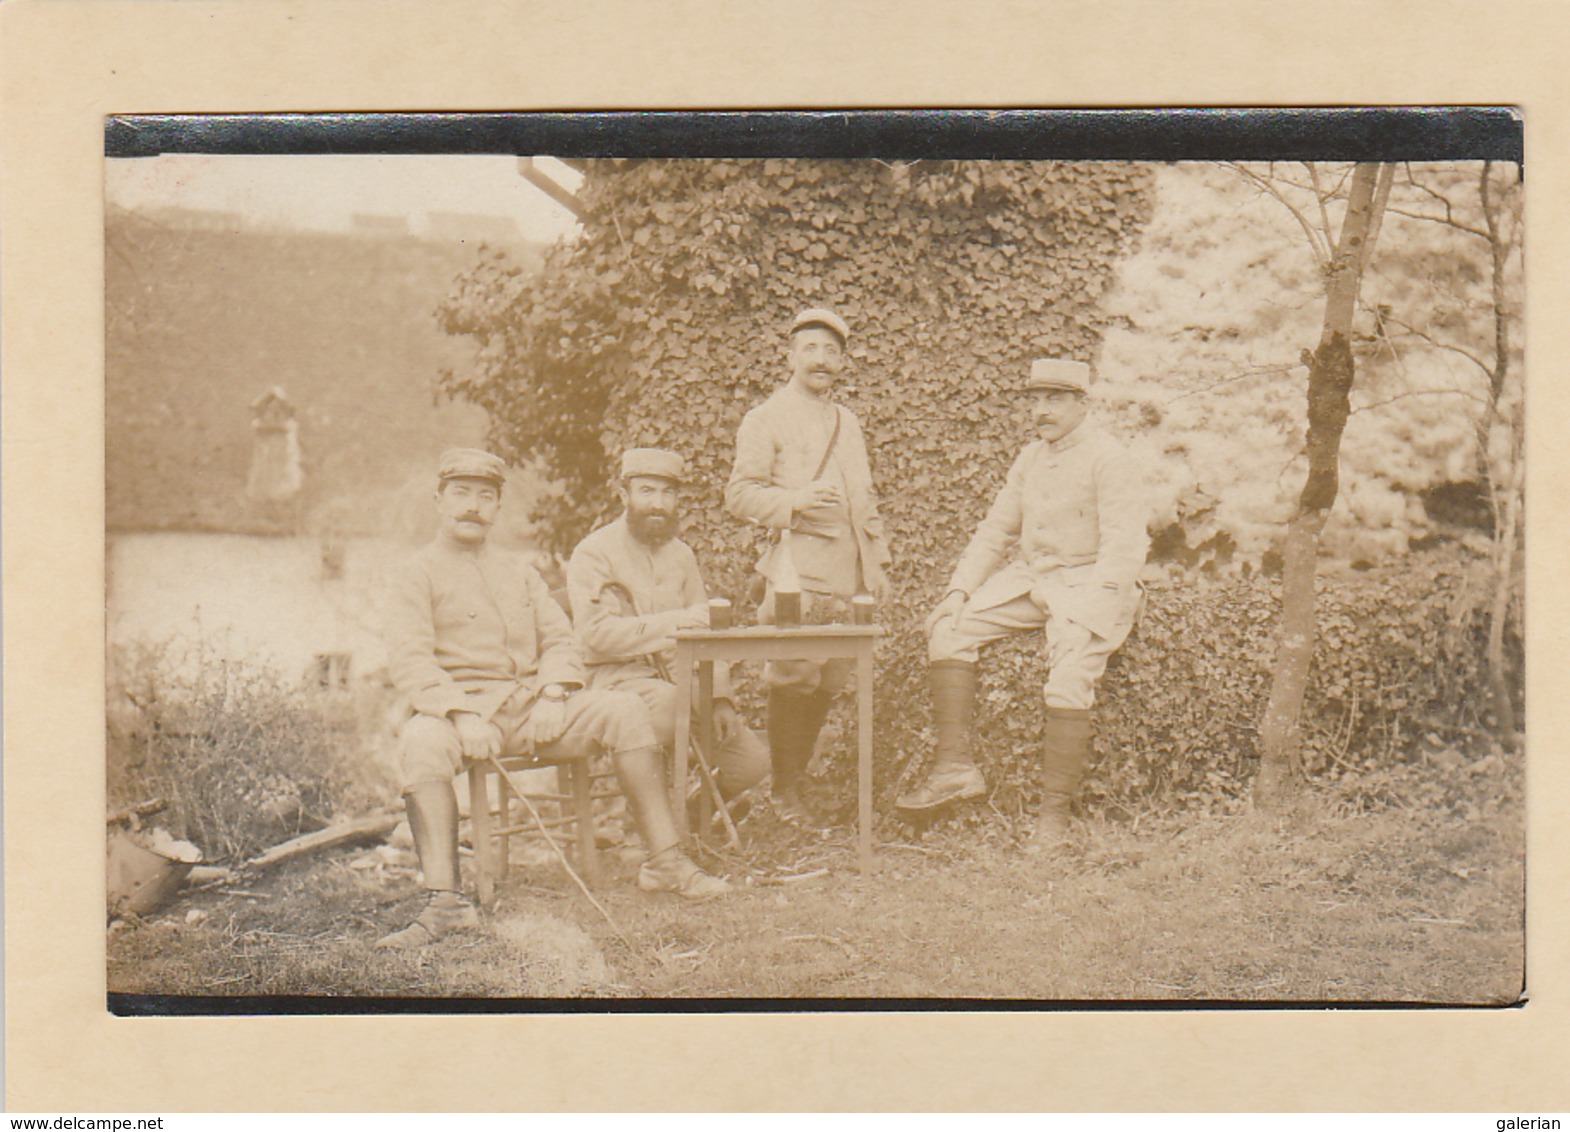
x=1420 y=393
x=1316 y=242
x=1456 y=224
x=1245 y=375
x=1319 y=196
x=1488 y=370
x=1387 y=177
x=1435 y=193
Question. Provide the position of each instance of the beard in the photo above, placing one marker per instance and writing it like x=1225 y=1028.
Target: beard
x=654 y=528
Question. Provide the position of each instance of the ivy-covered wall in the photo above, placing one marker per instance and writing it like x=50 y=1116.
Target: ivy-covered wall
x=665 y=322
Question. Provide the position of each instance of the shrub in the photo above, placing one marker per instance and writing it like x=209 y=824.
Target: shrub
x=1399 y=664
x=243 y=759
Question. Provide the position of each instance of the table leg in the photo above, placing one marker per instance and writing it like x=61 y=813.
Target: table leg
x=864 y=755
x=683 y=738
x=705 y=738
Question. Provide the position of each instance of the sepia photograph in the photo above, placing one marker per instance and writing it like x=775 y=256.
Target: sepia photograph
x=550 y=580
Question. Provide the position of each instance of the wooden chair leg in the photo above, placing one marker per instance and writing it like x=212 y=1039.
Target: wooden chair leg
x=583 y=824
x=504 y=805
x=480 y=831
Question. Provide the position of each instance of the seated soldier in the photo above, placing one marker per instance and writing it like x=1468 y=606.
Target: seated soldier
x=1059 y=552
x=485 y=662
x=633 y=583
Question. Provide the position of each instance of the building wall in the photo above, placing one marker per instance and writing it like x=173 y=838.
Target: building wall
x=248 y=598
x=201 y=321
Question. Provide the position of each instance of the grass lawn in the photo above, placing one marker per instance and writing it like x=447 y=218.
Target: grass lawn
x=1408 y=890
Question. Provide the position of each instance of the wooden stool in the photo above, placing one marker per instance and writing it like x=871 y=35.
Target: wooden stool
x=493 y=825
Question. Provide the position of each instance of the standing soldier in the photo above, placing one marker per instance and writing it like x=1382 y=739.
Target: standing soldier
x=1061 y=550
x=801 y=469
x=485 y=662
x=633 y=584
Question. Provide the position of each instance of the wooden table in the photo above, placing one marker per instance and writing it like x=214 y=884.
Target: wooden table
x=703 y=647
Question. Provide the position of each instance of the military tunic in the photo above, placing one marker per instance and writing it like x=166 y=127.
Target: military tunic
x=623 y=645
x=837 y=550
x=479 y=632
x=1061 y=548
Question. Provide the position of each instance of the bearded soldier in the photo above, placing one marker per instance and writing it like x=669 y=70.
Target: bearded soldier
x=633 y=584
x=1060 y=551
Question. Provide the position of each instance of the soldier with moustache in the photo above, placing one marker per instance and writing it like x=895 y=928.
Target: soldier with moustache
x=1059 y=551
x=633 y=584
x=801 y=466
x=485 y=662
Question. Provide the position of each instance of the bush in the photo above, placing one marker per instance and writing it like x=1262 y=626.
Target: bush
x=1399 y=664
x=243 y=759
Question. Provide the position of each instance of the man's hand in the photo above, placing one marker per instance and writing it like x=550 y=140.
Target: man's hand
x=547 y=720
x=819 y=493
x=952 y=605
x=477 y=738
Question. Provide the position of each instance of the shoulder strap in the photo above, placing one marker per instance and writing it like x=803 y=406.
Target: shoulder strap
x=829 y=451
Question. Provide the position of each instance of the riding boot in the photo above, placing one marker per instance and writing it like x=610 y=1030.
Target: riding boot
x=433 y=821
x=794 y=721
x=784 y=729
x=952 y=686
x=1065 y=752
x=432 y=808
x=954 y=776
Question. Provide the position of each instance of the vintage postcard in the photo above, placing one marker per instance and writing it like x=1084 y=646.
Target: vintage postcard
x=1079 y=432
x=937 y=579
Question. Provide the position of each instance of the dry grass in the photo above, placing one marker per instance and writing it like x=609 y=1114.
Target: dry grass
x=1332 y=904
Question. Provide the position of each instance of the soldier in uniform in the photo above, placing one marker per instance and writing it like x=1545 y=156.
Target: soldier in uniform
x=1060 y=550
x=801 y=466
x=633 y=584
x=486 y=662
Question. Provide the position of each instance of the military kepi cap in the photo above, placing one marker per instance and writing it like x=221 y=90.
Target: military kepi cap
x=1057 y=373
x=821 y=316
x=658 y=462
x=472 y=464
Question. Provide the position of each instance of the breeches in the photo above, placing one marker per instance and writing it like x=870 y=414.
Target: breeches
x=1076 y=656
x=742 y=758
x=428 y=748
x=807 y=676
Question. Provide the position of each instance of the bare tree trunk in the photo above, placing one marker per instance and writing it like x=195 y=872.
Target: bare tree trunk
x=1506 y=537
x=1507 y=496
x=1330 y=375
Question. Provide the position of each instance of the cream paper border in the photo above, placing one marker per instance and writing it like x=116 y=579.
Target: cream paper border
x=67 y=65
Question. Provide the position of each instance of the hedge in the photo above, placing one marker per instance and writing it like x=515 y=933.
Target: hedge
x=1398 y=670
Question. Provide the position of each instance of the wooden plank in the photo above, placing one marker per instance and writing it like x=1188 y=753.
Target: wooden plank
x=376 y=825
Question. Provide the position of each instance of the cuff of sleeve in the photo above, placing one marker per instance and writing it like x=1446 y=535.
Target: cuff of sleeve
x=567 y=674
x=439 y=701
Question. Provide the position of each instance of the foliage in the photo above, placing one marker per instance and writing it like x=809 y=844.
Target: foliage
x=664 y=323
x=242 y=759
x=1399 y=666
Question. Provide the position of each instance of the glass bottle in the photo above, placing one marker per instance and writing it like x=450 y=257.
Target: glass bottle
x=787 y=585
